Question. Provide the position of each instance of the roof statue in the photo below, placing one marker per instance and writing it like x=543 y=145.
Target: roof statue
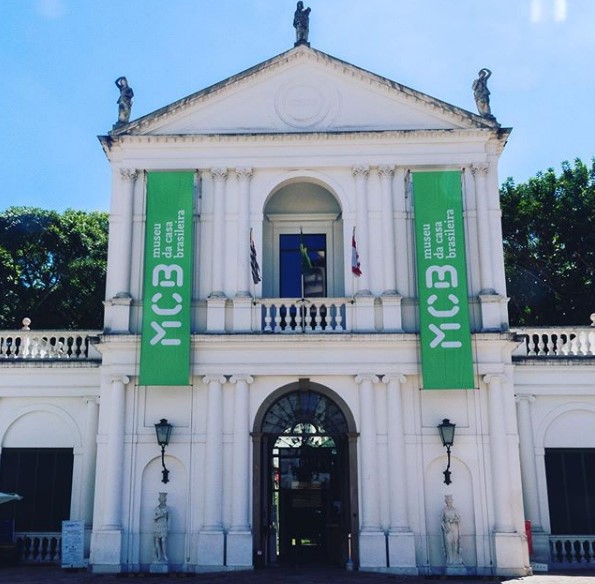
x=124 y=101
x=482 y=93
x=301 y=23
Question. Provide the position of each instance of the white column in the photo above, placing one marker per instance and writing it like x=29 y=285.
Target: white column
x=113 y=477
x=239 y=538
x=499 y=458
x=214 y=455
x=241 y=454
x=360 y=174
x=370 y=513
x=92 y=417
x=480 y=172
x=401 y=245
x=396 y=459
x=527 y=455
x=218 y=241
x=244 y=275
x=121 y=233
x=388 y=230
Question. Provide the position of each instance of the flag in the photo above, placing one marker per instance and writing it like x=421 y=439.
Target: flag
x=306 y=261
x=254 y=261
x=355 y=265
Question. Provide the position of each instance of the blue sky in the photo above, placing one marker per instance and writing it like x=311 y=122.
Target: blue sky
x=59 y=60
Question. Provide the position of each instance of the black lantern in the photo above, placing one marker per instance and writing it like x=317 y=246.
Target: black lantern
x=447 y=434
x=163 y=431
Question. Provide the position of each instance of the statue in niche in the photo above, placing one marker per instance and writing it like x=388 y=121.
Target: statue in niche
x=482 y=93
x=124 y=101
x=451 y=536
x=161 y=529
x=301 y=23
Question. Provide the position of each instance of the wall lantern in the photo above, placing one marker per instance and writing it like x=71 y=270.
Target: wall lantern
x=447 y=434
x=163 y=431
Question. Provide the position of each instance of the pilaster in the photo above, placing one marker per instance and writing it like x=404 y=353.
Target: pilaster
x=219 y=176
x=360 y=175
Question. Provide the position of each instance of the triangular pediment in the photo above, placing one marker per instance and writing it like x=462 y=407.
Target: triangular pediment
x=304 y=90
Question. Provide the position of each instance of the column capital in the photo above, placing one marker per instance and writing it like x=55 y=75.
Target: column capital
x=480 y=169
x=489 y=378
x=242 y=377
x=386 y=171
x=244 y=173
x=398 y=377
x=128 y=174
x=361 y=171
x=214 y=379
x=360 y=378
x=525 y=398
x=219 y=174
x=120 y=378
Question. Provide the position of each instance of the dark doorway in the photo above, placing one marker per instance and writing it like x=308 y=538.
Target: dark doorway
x=43 y=477
x=305 y=488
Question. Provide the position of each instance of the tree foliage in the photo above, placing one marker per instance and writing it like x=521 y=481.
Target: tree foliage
x=52 y=268
x=549 y=246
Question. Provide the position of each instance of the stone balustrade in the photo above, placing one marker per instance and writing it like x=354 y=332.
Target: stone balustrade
x=572 y=551
x=39 y=548
x=556 y=342
x=63 y=345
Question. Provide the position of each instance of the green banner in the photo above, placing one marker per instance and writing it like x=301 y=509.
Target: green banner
x=446 y=355
x=167 y=289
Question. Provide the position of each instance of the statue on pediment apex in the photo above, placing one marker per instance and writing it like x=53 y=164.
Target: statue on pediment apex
x=301 y=23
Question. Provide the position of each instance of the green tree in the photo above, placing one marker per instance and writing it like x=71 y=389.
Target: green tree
x=52 y=268
x=549 y=246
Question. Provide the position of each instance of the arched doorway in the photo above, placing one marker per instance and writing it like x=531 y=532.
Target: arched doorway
x=305 y=484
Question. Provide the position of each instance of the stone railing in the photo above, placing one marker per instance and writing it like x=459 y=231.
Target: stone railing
x=63 y=345
x=306 y=315
x=39 y=548
x=556 y=342
x=572 y=551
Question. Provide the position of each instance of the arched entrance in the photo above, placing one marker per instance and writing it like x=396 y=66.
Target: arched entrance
x=305 y=496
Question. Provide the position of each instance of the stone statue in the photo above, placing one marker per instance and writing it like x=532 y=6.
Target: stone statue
x=451 y=533
x=161 y=529
x=124 y=101
x=482 y=93
x=301 y=23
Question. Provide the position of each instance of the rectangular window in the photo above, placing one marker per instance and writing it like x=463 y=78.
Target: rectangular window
x=43 y=477
x=570 y=474
x=302 y=268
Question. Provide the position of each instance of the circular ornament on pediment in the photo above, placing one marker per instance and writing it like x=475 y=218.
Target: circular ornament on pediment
x=305 y=105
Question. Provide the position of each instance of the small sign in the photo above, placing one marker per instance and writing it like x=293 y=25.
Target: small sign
x=73 y=543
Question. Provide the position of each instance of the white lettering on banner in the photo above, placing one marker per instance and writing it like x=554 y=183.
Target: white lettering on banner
x=166 y=276
x=442 y=277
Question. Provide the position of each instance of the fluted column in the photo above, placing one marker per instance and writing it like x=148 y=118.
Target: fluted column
x=240 y=520
x=121 y=234
x=370 y=516
x=499 y=458
x=401 y=243
x=244 y=277
x=396 y=449
x=92 y=417
x=480 y=173
x=218 y=240
x=214 y=455
x=360 y=174
x=114 y=471
x=388 y=230
x=527 y=455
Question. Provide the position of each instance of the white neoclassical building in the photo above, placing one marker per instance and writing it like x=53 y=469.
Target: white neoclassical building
x=305 y=400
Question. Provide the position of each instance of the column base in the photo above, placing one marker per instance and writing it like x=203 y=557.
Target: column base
x=117 y=314
x=106 y=552
x=372 y=549
x=210 y=548
x=391 y=313
x=239 y=549
x=511 y=555
x=216 y=314
x=242 y=314
x=401 y=552
x=494 y=315
x=363 y=313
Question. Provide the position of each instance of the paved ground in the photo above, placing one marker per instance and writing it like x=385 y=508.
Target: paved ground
x=52 y=575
